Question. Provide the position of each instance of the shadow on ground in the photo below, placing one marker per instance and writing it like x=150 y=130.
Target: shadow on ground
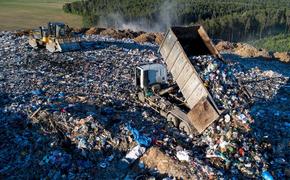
x=271 y=116
x=43 y=143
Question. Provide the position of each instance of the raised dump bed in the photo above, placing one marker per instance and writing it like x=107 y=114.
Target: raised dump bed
x=179 y=44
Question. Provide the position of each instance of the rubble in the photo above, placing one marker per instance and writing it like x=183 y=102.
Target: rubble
x=154 y=158
x=282 y=56
x=225 y=46
x=94 y=31
x=150 y=37
x=120 y=34
x=246 y=50
x=146 y=37
x=67 y=115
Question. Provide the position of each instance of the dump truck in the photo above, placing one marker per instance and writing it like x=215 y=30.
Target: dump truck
x=185 y=102
x=56 y=37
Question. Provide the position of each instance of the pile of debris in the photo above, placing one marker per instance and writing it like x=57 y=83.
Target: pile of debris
x=246 y=50
x=282 y=56
x=232 y=144
x=75 y=115
x=249 y=51
x=138 y=36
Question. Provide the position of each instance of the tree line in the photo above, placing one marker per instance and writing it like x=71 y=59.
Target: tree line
x=233 y=20
x=253 y=24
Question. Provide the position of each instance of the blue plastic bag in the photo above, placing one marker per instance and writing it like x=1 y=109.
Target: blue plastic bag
x=141 y=139
x=267 y=176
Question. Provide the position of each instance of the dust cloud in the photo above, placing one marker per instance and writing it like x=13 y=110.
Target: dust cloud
x=165 y=17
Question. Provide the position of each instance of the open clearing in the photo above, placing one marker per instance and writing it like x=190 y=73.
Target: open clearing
x=22 y=14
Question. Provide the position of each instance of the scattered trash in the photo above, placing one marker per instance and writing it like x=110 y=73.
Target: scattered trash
x=66 y=115
x=227 y=118
x=182 y=155
x=267 y=176
x=141 y=139
x=37 y=92
x=106 y=162
x=132 y=156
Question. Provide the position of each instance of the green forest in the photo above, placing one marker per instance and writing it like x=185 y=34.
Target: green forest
x=279 y=43
x=232 y=20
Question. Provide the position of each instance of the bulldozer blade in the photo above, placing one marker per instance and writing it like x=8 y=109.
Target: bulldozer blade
x=56 y=46
x=32 y=43
x=73 y=46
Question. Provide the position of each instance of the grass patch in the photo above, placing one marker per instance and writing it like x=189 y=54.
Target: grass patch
x=23 y=14
x=280 y=43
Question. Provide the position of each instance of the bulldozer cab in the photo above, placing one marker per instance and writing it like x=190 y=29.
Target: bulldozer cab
x=57 y=29
x=56 y=37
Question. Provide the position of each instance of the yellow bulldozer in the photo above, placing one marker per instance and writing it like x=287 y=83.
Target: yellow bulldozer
x=56 y=37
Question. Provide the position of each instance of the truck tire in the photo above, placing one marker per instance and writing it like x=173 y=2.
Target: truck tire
x=156 y=88
x=173 y=120
x=183 y=126
x=141 y=96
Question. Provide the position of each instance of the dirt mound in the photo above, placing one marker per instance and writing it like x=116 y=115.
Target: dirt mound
x=154 y=158
x=119 y=34
x=146 y=37
x=138 y=36
x=112 y=33
x=159 y=38
x=130 y=34
x=246 y=50
x=282 y=56
x=94 y=30
x=225 y=46
x=25 y=32
x=150 y=37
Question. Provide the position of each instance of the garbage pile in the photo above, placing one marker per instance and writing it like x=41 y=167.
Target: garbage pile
x=65 y=114
x=220 y=80
x=233 y=143
x=75 y=115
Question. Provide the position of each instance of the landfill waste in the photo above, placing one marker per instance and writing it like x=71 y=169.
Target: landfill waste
x=154 y=158
x=132 y=156
x=267 y=176
x=141 y=139
x=221 y=81
x=182 y=155
x=67 y=116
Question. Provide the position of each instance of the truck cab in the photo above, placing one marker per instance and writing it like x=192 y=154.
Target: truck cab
x=154 y=89
x=150 y=74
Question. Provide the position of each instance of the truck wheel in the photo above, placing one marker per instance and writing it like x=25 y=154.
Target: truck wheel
x=173 y=120
x=141 y=97
x=183 y=126
x=156 y=88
